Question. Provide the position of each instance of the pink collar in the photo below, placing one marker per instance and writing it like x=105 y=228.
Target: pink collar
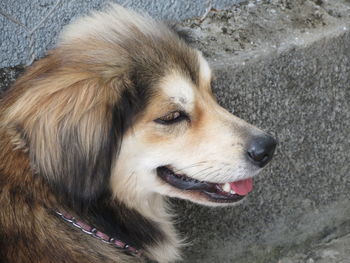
x=98 y=234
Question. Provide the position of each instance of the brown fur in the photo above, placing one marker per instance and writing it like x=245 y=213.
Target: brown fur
x=29 y=230
x=80 y=131
x=56 y=123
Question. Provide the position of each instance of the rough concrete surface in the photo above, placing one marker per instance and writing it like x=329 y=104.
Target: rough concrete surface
x=18 y=46
x=336 y=250
x=283 y=66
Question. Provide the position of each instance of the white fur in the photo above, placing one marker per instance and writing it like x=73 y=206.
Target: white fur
x=179 y=90
x=204 y=70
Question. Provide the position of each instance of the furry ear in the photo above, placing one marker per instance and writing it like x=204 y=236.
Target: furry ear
x=74 y=151
x=72 y=120
x=68 y=122
x=181 y=32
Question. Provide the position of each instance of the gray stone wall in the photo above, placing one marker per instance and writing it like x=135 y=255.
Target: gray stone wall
x=30 y=27
x=285 y=67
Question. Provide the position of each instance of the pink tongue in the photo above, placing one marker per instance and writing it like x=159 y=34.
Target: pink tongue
x=242 y=187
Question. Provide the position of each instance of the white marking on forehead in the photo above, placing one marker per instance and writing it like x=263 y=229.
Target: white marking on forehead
x=204 y=70
x=179 y=90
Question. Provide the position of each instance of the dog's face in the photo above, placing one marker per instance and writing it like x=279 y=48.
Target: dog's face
x=185 y=145
x=123 y=104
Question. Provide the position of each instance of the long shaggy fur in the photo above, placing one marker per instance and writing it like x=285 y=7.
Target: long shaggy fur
x=62 y=123
x=94 y=129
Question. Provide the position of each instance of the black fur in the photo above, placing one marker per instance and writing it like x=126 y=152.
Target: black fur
x=126 y=224
x=181 y=32
x=83 y=180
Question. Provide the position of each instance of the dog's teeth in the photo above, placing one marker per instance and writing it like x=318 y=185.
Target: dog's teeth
x=232 y=192
x=226 y=187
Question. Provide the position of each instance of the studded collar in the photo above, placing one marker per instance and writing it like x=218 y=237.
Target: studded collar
x=92 y=231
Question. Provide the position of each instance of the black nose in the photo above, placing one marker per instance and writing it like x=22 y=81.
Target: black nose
x=261 y=149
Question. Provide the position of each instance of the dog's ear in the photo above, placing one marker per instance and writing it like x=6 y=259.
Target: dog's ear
x=181 y=32
x=72 y=124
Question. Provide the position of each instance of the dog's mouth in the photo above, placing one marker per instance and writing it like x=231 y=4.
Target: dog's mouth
x=216 y=192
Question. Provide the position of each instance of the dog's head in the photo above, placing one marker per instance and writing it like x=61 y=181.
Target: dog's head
x=123 y=104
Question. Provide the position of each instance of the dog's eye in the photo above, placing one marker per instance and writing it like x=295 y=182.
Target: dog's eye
x=172 y=117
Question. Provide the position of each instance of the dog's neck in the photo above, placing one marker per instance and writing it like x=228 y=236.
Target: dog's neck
x=149 y=229
x=156 y=208
x=147 y=225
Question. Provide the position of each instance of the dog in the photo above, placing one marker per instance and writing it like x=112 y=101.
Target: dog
x=96 y=135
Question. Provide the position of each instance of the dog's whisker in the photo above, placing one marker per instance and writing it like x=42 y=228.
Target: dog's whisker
x=190 y=166
x=222 y=164
x=228 y=169
x=201 y=171
x=210 y=173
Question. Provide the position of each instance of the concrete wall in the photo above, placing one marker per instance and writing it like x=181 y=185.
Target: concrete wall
x=19 y=46
x=283 y=66
x=285 y=69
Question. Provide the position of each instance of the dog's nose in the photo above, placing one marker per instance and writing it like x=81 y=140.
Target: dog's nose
x=261 y=149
